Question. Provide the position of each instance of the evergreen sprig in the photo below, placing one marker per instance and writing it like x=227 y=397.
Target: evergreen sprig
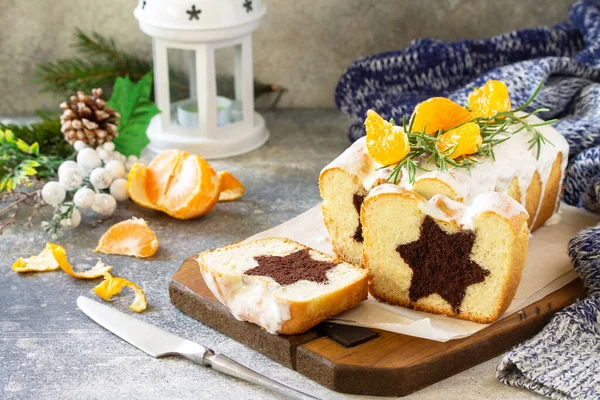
x=494 y=130
x=102 y=62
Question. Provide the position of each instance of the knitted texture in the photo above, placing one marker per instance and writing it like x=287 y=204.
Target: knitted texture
x=566 y=57
x=563 y=360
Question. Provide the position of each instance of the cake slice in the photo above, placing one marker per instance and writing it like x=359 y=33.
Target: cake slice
x=281 y=285
x=442 y=256
x=344 y=184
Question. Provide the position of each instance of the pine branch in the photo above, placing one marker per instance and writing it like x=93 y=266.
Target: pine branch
x=101 y=62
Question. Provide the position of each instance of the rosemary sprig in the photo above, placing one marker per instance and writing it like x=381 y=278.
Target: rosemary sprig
x=494 y=130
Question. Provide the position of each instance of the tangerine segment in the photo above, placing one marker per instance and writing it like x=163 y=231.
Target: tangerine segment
x=111 y=286
x=161 y=172
x=231 y=187
x=461 y=141
x=193 y=191
x=438 y=113
x=60 y=255
x=42 y=262
x=386 y=144
x=132 y=237
x=489 y=99
x=138 y=176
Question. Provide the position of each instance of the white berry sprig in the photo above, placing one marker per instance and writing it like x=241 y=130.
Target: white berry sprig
x=96 y=181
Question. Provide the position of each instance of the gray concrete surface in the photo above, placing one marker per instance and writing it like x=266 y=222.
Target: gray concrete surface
x=302 y=45
x=50 y=350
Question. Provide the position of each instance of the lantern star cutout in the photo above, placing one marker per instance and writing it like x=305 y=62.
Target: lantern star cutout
x=441 y=263
x=248 y=5
x=193 y=13
x=291 y=268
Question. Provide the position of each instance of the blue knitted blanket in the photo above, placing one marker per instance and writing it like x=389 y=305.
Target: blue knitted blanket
x=563 y=361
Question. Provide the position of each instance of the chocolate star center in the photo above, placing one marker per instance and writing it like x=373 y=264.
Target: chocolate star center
x=292 y=268
x=441 y=263
x=357 y=200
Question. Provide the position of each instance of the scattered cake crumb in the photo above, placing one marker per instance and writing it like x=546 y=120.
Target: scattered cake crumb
x=322 y=239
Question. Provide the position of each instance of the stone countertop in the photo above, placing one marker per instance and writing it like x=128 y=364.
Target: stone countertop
x=51 y=350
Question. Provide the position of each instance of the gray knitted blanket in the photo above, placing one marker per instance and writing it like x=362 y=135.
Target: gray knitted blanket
x=563 y=360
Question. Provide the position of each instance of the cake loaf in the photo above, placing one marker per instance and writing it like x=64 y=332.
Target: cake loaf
x=443 y=256
x=281 y=285
x=516 y=170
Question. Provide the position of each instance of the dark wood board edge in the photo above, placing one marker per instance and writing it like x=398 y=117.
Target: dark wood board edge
x=461 y=355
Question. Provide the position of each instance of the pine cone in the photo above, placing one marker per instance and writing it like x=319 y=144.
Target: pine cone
x=87 y=118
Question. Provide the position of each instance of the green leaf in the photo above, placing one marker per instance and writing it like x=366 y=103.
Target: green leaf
x=34 y=149
x=132 y=101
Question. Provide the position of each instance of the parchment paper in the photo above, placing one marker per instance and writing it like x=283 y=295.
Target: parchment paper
x=548 y=268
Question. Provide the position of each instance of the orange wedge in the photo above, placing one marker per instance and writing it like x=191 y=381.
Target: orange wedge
x=138 y=176
x=438 y=113
x=182 y=185
x=231 y=187
x=161 y=172
x=386 y=144
x=132 y=237
x=489 y=99
x=461 y=141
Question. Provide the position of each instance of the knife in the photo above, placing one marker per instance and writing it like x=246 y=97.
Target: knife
x=159 y=343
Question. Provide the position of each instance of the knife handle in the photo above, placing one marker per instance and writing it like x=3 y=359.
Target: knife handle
x=227 y=366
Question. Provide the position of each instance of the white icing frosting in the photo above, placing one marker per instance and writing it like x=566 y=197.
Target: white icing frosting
x=441 y=208
x=513 y=158
x=356 y=161
x=261 y=299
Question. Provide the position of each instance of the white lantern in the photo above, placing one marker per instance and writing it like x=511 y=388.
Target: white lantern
x=187 y=38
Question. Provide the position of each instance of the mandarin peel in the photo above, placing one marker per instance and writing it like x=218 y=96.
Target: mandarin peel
x=42 y=262
x=60 y=255
x=112 y=286
x=230 y=187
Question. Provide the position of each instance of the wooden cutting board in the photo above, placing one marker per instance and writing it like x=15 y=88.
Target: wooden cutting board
x=390 y=364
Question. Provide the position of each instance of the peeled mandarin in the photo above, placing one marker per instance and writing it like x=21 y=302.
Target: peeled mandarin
x=183 y=186
x=193 y=191
x=461 y=141
x=438 y=113
x=386 y=144
x=489 y=99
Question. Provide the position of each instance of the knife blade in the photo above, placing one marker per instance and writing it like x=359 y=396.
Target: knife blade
x=158 y=343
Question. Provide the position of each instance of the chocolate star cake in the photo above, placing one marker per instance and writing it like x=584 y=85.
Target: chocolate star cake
x=281 y=285
x=443 y=256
